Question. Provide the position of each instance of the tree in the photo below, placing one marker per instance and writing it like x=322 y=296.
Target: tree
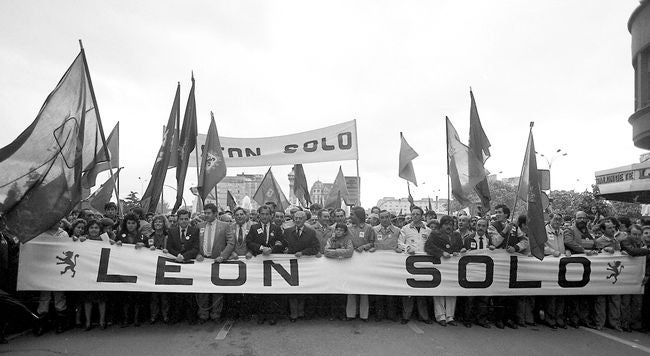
x=132 y=201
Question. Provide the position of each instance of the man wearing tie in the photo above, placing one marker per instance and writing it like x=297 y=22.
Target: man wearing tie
x=266 y=238
x=240 y=304
x=301 y=240
x=217 y=242
x=481 y=241
x=183 y=243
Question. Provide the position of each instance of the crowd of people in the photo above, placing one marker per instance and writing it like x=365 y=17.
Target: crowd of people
x=224 y=235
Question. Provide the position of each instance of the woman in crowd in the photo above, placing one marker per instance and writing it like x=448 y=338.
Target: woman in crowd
x=94 y=232
x=158 y=241
x=129 y=234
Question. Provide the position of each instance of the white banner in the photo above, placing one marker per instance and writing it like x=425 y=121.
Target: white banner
x=331 y=143
x=49 y=264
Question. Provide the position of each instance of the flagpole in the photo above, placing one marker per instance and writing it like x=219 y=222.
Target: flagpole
x=447 y=145
x=99 y=123
x=358 y=178
x=514 y=206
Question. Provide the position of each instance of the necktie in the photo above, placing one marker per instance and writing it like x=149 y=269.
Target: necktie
x=182 y=239
x=299 y=232
x=240 y=239
x=209 y=238
x=480 y=242
x=266 y=234
x=182 y=233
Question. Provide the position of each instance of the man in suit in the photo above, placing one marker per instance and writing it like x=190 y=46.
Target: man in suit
x=266 y=238
x=183 y=242
x=240 y=305
x=301 y=240
x=215 y=241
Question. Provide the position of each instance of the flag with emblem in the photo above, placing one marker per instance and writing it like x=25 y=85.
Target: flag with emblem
x=213 y=166
x=41 y=170
x=269 y=191
x=530 y=191
x=152 y=195
x=459 y=163
x=300 y=187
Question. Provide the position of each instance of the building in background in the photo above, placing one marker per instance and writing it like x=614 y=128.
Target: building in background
x=319 y=191
x=240 y=186
x=397 y=205
x=639 y=27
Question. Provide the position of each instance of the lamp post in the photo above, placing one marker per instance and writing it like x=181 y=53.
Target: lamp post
x=557 y=154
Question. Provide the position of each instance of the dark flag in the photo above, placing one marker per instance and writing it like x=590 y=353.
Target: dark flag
x=89 y=178
x=459 y=163
x=406 y=155
x=186 y=144
x=479 y=145
x=269 y=191
x=213 y=166
x=430 y=208
x=339 y=191
x=300 y=188
x=231 y=202
x=154 y=190
x=104 y=193
x=532 y=194
x=41 y=170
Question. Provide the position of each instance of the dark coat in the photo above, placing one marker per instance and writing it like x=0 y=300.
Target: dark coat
x=439 y=242
x=189 y=247
x=307 y=243
x=255 y=239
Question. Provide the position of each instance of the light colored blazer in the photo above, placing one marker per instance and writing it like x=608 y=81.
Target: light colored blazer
x=223 y=243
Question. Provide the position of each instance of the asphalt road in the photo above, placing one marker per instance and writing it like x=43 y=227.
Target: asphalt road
x=322 y=337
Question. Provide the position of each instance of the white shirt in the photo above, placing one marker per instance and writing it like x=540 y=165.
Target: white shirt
x=486 y=242
x=209 y=232
x=410 y=236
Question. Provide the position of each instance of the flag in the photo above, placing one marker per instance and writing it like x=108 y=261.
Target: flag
x=529 y=179
x=213 y=166
x=339 y=191
x=410 y=198
x=300 y=188
x=269 y=191
x=459 y=161
x=406 y=155
x=230 y=201
x=89 y=178
x=430 y=208
x=151 y=196
x=104 y=193
x=41 y=170
x=186 y=144
x=479 y=145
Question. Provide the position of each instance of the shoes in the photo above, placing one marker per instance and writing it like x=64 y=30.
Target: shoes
x=152 y=321
x=487 y=325
x=260 y=321
x=511 y=325
x=467 y=325
x=498 y=324
x=293 y=320
x=552 y=326
x=563 y=326
x=87 y=328
x=451 y=323
x=442 y=322
x=404 y=321
x=428 y=321
x=349 y=319
x=378 y=319
x=617 y=328
x=364 y=320
x=531 y=324
x=627 y=329
x=202 y=321
x=273 y=322
x=136 y=324
x=166 y=320
x=523 y=325
x=103 y=326
x=573 y=325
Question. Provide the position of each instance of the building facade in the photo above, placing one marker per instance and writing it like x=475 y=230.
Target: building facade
x=639 y=27
x=402 y=205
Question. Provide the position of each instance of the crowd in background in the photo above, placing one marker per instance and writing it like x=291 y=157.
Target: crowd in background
x=224 y=235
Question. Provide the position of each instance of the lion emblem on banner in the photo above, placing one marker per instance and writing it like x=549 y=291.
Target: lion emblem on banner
x=67 y=260
x=616 y=270
x=270 y=193
x=211 y=160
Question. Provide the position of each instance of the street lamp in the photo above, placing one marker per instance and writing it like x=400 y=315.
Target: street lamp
x=557 y=154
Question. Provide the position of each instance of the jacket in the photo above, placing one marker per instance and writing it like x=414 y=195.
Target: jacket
x=339 y=248
x=223 y=243
x=307 y=243
x=188 y=247
x=362 y=236
x=577 y=241
x=554 y=242
x=469 y=243
x=439 y=242
x=256 y=239
x=386 y=238
x=240 y=247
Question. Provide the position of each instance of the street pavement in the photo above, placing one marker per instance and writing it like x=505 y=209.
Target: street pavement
x=323 y=337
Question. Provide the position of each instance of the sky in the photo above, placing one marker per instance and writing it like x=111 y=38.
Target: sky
x=278 y=67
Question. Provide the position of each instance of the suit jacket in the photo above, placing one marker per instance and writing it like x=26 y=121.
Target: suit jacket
x=240 y=248
x=223 y=243
x=256 y=239
x=307 y=243
x=189 y=247
x=469 y=243
x=439 y=242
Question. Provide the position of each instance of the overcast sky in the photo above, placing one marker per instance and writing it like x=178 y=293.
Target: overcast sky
x=271 y=68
